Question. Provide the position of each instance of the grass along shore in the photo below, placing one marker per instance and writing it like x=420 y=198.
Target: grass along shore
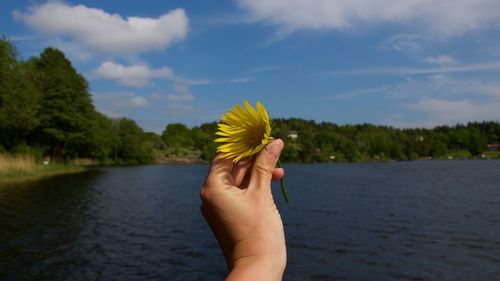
x=17 y=168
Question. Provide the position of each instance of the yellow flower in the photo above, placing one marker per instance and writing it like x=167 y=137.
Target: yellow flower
x=244 y=131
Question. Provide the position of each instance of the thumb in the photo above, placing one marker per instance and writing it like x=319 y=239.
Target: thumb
x=262 y=169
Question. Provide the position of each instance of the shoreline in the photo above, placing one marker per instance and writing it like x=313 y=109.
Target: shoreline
x=39 y=173
x=188 y=162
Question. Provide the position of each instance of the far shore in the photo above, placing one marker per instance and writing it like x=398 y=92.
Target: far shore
x=39 y=172
x=180 y=160
x=189 y=161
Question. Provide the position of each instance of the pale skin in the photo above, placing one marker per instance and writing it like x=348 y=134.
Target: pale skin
x=239 y=208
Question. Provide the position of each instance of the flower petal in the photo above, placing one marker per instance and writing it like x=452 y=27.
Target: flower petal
x=244 y=131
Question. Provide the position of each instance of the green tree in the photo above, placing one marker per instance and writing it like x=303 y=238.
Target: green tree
x=103 y=137
x=65 y=106
x=327 y=141
x=203 y=138
x=155 y=140
x=477 y=143
x=8 y=61
x=19 y=98
x=132 y=145
x=349 y=150
x=177 y=135
x=439 y=144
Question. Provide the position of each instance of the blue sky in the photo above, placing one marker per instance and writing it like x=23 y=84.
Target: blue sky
x=407 y=63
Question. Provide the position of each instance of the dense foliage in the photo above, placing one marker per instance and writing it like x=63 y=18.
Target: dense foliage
x=46 y=110
x=329 y=142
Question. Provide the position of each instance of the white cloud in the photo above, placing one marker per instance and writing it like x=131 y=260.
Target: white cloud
x=446 y=17
x=467 y=87
x=435 y=86
x=119 y=104
x=409 y=44
x=21 y=38
x=447 y=68
x=180 y=97
x=241 y=80
x=181 y=87
x=195 y=81
x=154 y=105
x=73 y=50
x=104 y=32
x=181 y=92
x=432 y=100
x=441 y=60
x=269 y=68
x=135 y=75
x=141 y=76
x=358 y=92
x=456 y=111
x=139 y=102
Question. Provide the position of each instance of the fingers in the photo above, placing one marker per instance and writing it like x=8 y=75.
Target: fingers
x=224 y=172
x=220 y=172
x=222 y=164
x=241 y=176
x=240 y=170
x=263 y=167
x=278 y=173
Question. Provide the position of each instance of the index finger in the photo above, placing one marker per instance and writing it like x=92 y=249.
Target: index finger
x=219 y=173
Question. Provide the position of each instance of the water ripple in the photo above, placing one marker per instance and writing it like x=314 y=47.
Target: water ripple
x=380 y=221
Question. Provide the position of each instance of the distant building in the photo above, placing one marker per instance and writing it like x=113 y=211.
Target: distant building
x=493 y=147
x=293 y=135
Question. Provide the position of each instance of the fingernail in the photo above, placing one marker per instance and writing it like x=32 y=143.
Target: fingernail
x=274 y=148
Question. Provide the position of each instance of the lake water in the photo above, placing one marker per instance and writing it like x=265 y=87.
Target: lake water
x=434 y=220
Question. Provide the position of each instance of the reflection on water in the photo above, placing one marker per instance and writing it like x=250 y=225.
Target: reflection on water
x=383 y=221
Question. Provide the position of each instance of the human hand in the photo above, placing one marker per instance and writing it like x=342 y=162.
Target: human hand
x=239 y=208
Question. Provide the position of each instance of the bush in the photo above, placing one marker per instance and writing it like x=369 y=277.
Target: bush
x=24 y=149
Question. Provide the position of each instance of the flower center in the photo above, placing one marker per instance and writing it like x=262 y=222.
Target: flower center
x=255 y=134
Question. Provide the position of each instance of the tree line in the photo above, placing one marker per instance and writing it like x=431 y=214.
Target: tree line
x=309 y=141
x=323 y=142
x=46 y=110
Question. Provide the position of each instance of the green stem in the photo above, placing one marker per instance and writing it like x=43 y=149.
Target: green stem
x=282 y=183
